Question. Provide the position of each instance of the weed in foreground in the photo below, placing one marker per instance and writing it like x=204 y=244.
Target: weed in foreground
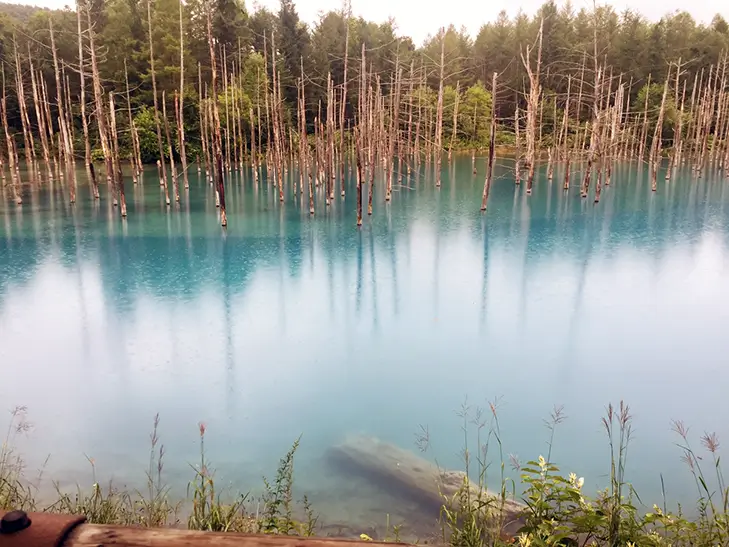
x=209 y=513
x=14 y=493
x=555 y=511
x=100 y=506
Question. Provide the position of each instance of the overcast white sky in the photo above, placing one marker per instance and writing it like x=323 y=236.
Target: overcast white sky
x=418 y=18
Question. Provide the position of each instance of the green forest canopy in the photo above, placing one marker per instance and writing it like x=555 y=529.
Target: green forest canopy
x=627 y=43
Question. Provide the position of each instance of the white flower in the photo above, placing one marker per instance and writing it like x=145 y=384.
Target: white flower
x=573 y=478
x=580 y=482
x=542 y=462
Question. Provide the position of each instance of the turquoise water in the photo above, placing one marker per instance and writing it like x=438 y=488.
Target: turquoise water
x=285 y=325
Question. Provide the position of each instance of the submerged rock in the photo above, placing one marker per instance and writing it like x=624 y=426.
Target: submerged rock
x=406 y=475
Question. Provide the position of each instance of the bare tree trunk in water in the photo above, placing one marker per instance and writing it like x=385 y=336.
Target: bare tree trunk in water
x=135 y=158
x=517 y=152
x=82 y=96
x=11 y=152
x=492 y=147
x=160 y=147
x=343 y=107
x=217 y=141
x=98 y=98
x=49 y=126
x=118 y=176
x=439 y=114
x=532 y=105
x=39 y=116
x=29 y=148
x=180 y=109
x=173 y=167
x=71 y=162
x=644 y=131
x=656 y=147
x=359 y=176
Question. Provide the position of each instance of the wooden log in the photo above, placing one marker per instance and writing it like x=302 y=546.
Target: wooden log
x=94 y=535
x=406 y=475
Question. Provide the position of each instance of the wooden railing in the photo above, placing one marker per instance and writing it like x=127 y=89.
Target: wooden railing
x=19 y=529
x=90 y=535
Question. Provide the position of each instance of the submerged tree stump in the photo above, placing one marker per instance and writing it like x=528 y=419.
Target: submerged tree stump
x=405 y=474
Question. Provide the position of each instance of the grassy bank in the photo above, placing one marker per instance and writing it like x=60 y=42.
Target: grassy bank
x=536 y=504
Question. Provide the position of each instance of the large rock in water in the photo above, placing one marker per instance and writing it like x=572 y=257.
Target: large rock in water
x=404 y=474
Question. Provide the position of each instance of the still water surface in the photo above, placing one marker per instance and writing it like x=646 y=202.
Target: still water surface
x=286 y=325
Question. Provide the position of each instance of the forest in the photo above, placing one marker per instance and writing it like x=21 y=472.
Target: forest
x=206 y=82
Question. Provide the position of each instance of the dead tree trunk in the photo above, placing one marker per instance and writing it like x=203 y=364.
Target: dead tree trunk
x=644 y=131
x=439 y=114
x=553 y=147
x=532 y=106
x=98 y=98
x=677 y=127
x=68 y=127
x=517 y=152
x=331 y=108
x=82 y=92
x=409 y=150
x=11 y=149
x=180 y=109
x=566 y=149
x=358 y=152
x=343 y=107
x=45 y=103
x=656 y=146
x=158 y=125
x=492 y=147
x=136 y=153
x=594 y=134
x=224 y=64
x=39 y=114
x=454 y=133
x=394 y=131
x=28 y=149
x=62 y=121
x=217 y=141
x=173 y=167
x=118 y=176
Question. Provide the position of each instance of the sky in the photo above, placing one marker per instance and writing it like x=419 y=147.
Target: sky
x=419 y=18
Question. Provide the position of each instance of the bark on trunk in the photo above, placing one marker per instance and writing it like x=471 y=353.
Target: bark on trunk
x=492 y=147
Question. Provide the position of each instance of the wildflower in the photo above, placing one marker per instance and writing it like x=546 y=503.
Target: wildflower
x=711 y=442
x=573 y=479
x=580 y=482
x=365 y=537
x=524 y=540
x=201 y=425
x=542 y=462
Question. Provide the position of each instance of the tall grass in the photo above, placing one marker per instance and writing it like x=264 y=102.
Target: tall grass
x=208 y=508
x=100 y=505
x=209 y=513
x=534 y=504
x=14 y=492
x=555 y=511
